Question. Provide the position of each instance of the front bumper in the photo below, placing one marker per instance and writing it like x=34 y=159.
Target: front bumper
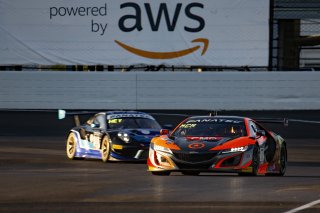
x=129 y=152
x=213 y=161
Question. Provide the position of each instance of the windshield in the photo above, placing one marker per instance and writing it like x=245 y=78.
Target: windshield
x=132 y=123
x=210 y=129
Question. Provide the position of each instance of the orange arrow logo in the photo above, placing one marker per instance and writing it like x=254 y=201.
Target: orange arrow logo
x=166 y=55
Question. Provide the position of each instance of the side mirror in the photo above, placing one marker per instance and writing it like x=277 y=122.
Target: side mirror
x=260 y=133
x=164 y=132
x=93 y=125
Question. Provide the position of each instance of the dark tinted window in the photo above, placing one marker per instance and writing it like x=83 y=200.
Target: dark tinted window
x=132 y=123
x=211 y=128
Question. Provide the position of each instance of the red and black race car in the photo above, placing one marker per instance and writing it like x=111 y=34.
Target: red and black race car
x=218 y=144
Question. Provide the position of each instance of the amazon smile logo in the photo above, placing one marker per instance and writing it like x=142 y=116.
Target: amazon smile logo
x=167 y=55
x=154 y=16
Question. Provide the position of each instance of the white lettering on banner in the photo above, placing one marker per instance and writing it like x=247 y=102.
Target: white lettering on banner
x=203 y=32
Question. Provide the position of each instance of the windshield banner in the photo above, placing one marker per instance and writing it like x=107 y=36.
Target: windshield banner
x=122 y=32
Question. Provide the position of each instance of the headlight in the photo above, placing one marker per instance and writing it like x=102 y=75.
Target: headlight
x=236 y=149
x=124 y=137
x=160 y=148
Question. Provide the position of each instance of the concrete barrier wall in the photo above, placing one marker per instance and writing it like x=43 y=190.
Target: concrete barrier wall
x=160 y=90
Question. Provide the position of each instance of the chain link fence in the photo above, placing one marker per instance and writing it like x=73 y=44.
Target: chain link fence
x=310 y=55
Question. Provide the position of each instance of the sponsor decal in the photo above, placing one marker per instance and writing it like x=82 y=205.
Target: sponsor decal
x=187 y=126
x=214 y=120
x=115 y=116
x=114 y=121
x=204 y=138
x=196 y=145
x=248 y=169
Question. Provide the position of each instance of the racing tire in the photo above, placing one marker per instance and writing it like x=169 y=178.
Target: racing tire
x=162 y=173
x=191 y=173
x=255 y=163
x=283 y=162
x=105 y=148
x=71 y=146
x=255 y=160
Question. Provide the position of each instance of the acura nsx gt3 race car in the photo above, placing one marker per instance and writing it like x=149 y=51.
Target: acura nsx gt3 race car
x=114 y=135
x=218 y=144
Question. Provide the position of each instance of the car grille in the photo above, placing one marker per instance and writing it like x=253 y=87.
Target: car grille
x=195 y=157
x=127 y=153
x=197 y=166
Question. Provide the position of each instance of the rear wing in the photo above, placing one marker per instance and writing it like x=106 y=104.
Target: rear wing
x=63 y=113
x=284 y=121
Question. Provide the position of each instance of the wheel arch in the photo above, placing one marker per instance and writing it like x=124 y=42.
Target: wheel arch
x=76 y=133
x=102 y=137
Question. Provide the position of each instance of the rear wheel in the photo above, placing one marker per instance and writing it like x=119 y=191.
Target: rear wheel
x=283 y=160
x=105 y=148
x=162 y=173
x=71 y=146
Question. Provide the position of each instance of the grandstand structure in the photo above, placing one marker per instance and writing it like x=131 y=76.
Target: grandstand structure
x=294 y=45
x=295 y=35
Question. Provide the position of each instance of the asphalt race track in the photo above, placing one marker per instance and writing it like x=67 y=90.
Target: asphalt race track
x=35 y=176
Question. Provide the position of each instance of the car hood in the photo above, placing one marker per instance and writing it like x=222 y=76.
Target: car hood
x=200 y=144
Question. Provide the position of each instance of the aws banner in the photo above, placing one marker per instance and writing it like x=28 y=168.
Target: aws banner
x=124 y=32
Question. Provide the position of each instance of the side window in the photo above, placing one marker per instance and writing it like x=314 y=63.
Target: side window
x=90 y=121
x=253 y=128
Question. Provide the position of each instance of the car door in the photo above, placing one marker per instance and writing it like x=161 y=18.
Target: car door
x=270 y=144
x=95 y=131
x=255 y=132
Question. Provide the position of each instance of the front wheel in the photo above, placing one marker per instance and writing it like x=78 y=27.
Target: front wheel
x=105 y=148
x=71 y=146
x=255 y=163
x=255 y=160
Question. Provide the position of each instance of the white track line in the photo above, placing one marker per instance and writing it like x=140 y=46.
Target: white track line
x=308 y=205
